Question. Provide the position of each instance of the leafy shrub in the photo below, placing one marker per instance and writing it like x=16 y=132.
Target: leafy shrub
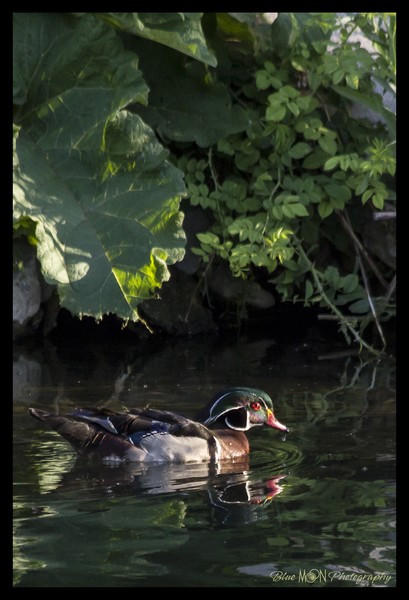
x=304 y=176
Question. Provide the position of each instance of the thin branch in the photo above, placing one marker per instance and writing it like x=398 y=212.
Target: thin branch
x=368 y=294
x=203 y=275
x=347 y=226
x=344 y=320
x=391 y=290
x=215 y=181
x=324 y=106
x=212 y=171
x=365 y=279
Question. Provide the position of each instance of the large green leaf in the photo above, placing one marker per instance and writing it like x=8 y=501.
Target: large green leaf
x=186 y=103
x=90 y=174
x=373 y=102
x=181 y=31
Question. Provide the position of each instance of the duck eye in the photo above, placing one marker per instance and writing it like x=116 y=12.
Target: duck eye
x=255 y=405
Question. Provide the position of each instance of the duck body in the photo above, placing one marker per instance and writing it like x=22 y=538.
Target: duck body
x=149 y=435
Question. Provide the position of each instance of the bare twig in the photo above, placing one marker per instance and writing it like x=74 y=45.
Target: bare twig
x=324 y=106
x=215 y=180
x=203 y=275
x=211 y=167
x=391 y=290
x=368 y=294
x=348 y=228
x=359 y=249
x=344 y=320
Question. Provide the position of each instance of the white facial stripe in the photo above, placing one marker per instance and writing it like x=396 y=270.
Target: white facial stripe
x=217 y=402
x=210 y=419
x=236 y=427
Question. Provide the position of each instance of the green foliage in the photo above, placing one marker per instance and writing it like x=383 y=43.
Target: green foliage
x=302 y=161
x=118 y=115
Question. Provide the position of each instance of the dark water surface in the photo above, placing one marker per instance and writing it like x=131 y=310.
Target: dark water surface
x=315 y=507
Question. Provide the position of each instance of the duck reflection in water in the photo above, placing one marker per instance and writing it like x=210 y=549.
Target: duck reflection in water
x=232 y=490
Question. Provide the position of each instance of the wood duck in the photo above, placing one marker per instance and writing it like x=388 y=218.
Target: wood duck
x=146 y=434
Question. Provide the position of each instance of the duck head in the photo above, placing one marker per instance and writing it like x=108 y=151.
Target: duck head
x=241 y=408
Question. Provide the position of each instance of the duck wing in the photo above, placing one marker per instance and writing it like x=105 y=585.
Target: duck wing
x=178 y=425
x=140 y=424
x=142 y=420
x=118 y=423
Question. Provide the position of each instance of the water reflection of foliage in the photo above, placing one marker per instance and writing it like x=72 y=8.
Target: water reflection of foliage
x=321 y=520
x=350 y=398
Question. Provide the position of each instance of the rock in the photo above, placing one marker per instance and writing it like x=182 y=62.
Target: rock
x=26 y=293
x=26 y=288
x=30 y=291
